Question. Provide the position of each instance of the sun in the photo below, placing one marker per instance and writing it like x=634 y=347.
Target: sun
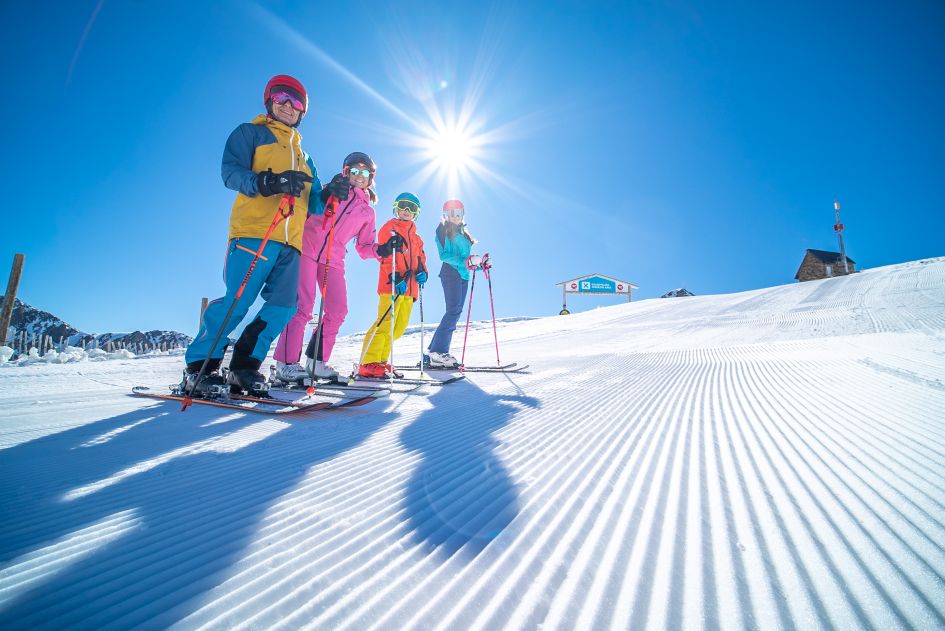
x=452 y=153
x=452 y=147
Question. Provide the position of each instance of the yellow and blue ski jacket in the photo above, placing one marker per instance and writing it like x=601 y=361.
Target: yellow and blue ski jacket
x=265 y=144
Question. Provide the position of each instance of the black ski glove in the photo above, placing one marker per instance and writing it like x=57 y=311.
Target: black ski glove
x=338 y=187
x=386 y=249
x=291 y=182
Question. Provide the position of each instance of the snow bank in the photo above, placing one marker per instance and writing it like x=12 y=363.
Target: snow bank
x=73 y=354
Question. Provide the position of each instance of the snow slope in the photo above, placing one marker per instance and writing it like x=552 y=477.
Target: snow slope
x=768 y=459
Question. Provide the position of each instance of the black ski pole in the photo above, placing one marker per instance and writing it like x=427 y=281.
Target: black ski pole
x=375 y=327
x=329 y=212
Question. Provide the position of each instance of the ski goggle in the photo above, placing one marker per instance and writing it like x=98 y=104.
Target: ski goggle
x=359 y=172
x=281 y=97
x=454 y=212
x=406 y=204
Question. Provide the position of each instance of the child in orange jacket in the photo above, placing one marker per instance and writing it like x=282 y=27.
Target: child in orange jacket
x=398 y=291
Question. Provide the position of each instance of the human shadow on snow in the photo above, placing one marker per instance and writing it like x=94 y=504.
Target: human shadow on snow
x=460 y=496
x=194 y=487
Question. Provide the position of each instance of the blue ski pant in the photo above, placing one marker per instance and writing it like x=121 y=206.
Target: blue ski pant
x=454 y=292
x=275 y=277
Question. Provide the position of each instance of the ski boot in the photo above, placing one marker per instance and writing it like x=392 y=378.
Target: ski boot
x=289 y=374
x=317 y=369
x=212 y=384
x=249 y=381
x=441 y=361
x=390 y=371
x=375 y=370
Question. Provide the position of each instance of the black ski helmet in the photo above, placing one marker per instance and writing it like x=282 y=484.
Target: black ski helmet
x=359 y=157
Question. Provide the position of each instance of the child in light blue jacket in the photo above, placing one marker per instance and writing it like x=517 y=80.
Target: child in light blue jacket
x=454 y=243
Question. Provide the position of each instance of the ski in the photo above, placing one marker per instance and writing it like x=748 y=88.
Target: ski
x=251 y=404
x=342 y=389
x=407 y=380
x=336 y=393
x=347 y=401
x=513 y=367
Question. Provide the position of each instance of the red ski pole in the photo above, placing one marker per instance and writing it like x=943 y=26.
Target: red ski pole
x=287 y=204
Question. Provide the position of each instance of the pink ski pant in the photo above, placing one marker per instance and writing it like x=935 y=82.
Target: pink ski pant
x=289 y=348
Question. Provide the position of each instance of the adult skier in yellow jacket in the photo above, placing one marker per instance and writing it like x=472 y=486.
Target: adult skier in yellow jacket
x=263 y=161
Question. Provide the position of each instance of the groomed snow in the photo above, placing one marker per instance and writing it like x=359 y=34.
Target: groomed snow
x=767 y=459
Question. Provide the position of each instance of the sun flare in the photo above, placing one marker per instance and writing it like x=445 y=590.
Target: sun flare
x=452 y=147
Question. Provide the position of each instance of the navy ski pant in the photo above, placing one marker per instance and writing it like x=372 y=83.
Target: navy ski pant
x=454 y=292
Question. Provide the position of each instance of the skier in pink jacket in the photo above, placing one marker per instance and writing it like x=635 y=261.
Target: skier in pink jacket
x=353 y=219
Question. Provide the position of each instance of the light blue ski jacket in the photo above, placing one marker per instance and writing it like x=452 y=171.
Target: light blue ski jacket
x=454 y=251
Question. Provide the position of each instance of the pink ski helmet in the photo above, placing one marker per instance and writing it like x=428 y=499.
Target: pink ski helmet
x=453 y=207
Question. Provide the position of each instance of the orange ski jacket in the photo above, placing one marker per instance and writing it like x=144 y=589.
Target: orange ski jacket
x=410 y=259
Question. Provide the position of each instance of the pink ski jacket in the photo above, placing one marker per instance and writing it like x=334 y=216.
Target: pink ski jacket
x=354 y=218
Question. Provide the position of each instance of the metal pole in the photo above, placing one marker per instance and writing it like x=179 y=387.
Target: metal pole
x=420 y=297
x=364 y=347
x=10 y=297
x=838 y=228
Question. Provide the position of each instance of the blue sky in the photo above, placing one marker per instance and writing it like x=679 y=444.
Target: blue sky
x=663 y=143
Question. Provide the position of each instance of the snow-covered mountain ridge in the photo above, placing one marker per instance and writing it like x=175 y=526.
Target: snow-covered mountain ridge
x=36 y=322
x=765 y=459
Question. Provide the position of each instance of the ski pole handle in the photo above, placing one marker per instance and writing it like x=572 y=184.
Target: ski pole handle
x=330 y=206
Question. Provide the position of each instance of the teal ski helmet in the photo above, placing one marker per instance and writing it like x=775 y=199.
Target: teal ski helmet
x=407 y=201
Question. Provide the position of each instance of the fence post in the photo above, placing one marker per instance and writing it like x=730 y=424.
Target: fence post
x=10 y=297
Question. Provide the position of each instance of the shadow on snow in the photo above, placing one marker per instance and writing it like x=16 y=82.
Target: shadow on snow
x=461 y=497
x=194 y=514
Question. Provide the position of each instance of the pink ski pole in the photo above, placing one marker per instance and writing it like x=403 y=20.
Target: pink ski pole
x=462 y=359
x=486 y=266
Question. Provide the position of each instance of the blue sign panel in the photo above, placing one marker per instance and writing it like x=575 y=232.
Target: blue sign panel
x=597 y=285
